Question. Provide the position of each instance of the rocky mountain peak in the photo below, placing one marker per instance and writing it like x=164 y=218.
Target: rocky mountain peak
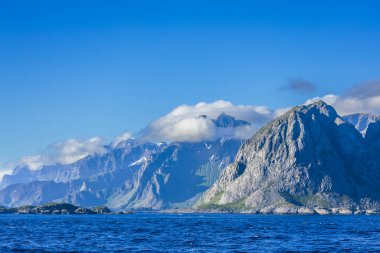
x=306 y=157
x=226 y=121
x=302 y=129
x=315 y=111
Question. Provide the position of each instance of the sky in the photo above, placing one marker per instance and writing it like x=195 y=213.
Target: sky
x=84 y=70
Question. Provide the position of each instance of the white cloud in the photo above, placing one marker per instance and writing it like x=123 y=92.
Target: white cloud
x=185 y=123
x=281 y=111
x=329 y=99
x=65 y=152
x=349 y=105
x=187 y=129
x=122 y=137
x=4 y=172
x=364 y=97
x=35 y=162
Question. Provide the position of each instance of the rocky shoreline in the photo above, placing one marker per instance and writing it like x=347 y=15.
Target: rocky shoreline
x=280 y=211
x=58 y=208
x=66 y=208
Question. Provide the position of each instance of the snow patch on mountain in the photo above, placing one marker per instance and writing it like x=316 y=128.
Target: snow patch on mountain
x=139 y=161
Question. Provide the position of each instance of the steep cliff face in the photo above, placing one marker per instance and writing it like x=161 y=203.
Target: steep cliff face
x=309 y=157
x=32 y=193
x=372 y=136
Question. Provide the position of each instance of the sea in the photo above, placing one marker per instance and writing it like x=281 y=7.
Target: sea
x=159 y=232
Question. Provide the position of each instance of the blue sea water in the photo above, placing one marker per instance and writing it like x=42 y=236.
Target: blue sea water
x=188 y=233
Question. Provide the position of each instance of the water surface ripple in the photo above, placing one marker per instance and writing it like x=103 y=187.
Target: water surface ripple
x=188 y=232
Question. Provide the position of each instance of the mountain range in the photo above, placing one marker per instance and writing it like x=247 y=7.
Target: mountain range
x=133 y=175
x=308 y=160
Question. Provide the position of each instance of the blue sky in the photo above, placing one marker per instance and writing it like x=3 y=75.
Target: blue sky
x=98 y=68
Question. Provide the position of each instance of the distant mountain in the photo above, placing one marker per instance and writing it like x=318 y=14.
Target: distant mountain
x=361 y=121
x=176 y=176
x=308 y=160
x=89 y=166
x=131 y=175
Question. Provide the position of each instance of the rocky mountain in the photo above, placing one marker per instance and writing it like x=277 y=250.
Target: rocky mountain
x=177 y=176
x=308 y=160
x=361 y=121
x=132 y=175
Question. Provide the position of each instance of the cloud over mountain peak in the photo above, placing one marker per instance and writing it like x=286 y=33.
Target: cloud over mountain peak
x=185 y=124
x=364 y=97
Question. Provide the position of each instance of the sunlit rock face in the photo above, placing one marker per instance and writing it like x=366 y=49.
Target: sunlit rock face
x=309 y=157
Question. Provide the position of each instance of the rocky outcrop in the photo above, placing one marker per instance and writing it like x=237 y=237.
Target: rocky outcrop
x=308 y=160
x=56 y=208
x=101 y=210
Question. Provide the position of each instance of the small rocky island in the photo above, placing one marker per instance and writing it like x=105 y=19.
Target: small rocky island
x=57 y=208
